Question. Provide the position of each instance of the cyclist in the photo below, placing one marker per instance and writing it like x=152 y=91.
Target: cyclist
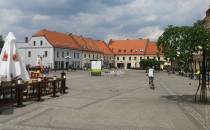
x=151 y=77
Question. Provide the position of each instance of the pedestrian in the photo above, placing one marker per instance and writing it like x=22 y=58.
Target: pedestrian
x=168 y=70
x=151 y=77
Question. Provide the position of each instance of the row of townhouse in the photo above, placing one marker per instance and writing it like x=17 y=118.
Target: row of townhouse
x=129 y=53
x=59 y=50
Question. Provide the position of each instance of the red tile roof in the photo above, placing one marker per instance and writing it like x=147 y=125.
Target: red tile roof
x=119 y=47
x=87 y=44
x=133 y=47
x=103 y=47
x=57 y=39
x=151 y=49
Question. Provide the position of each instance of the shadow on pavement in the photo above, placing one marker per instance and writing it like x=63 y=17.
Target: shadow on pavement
x=7 y=110
x=185 y=99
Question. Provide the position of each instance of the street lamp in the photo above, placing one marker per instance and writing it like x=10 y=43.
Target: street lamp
x=102 y=62
x=113 y=64
x=67 y=59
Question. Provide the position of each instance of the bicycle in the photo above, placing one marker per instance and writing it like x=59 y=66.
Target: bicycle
x=151 y=83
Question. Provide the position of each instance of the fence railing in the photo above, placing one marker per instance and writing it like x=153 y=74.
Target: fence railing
x=14 y=92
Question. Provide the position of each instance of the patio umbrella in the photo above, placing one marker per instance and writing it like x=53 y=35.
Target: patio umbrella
x=11 y=65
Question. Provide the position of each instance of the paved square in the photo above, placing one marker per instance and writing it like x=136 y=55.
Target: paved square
x=115 y=103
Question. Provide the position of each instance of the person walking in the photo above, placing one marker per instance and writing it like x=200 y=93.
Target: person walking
x=151 y=77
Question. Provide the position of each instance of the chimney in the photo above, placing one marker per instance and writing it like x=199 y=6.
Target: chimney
x=26 y=39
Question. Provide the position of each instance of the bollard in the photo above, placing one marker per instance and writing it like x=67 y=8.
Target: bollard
x=39 y=91
x=45 y=83
x=63 y=83
x=54 y=87
x=19 y=93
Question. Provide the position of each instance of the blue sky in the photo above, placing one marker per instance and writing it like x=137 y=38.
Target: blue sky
x=99 y=19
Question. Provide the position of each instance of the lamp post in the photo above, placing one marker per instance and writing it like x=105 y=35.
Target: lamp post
x=113 y=64
x=40 y=57
x=67 y=59
x=102 y=62
x=86 y=63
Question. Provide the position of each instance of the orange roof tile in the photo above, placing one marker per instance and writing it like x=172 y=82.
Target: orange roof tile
x=103 y=47
x=151 y=48
x=57 y=39
x=87 y=44
x=134 y=46
x=80 y=41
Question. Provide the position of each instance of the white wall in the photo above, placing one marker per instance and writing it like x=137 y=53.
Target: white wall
x=36 y=50
x=75 y=60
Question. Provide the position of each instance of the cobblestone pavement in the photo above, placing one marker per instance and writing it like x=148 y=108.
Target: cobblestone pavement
x=122 y=102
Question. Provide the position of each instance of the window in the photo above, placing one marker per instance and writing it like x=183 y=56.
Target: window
x=131 y=50
x=57 y=54
x=158 y=58
x=84 y=55
x=97 y=57
x=62 y=54
x=45 y=53
x=129 y=58
x=34 y=43
x=93 y=56
x=134 y=58
x=67 y=53
x=89 y=56
x=118 y=58
x=154 y=57
x=74 y=55
x=123 y=58
x=119 y=50
x=29 y=53
x=148 y=57
x=124 y=50
x=140 y=58
x=41 y=43
x=77 y=55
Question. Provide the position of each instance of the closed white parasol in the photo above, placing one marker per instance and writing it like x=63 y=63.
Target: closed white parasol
x=11 y=65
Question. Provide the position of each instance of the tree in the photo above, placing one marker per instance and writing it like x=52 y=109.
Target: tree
x=1 y=41
x=181 y=43
x=167 y=42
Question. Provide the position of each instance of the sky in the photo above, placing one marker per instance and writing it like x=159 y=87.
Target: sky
x=99 y=19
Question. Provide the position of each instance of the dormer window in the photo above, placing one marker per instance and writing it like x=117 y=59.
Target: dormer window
x=136 y=50
x=119 y=50
x=34 y=43
x=131 y=50
x=124 y=50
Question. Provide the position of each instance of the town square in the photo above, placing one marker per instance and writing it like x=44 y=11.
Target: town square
x=105 y=65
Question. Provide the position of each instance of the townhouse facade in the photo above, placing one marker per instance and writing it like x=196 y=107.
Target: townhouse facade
x=89 y=48
x=53 y=49
x=59 y=51
x=130 y=52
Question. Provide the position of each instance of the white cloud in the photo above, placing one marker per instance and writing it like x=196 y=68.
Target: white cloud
x=38 y=18
x=151 y=32
x=133 y=19
x=9 y=18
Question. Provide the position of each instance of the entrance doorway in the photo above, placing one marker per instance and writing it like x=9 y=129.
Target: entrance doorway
x=129 y=66
x=120 y=65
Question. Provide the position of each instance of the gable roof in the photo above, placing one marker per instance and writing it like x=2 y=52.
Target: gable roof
x=151 y=48
x=58 y=39
x=87 y=44
x=129 y=46
x=104 y=48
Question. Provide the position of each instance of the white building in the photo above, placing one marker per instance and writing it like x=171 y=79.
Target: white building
x=52 y=49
